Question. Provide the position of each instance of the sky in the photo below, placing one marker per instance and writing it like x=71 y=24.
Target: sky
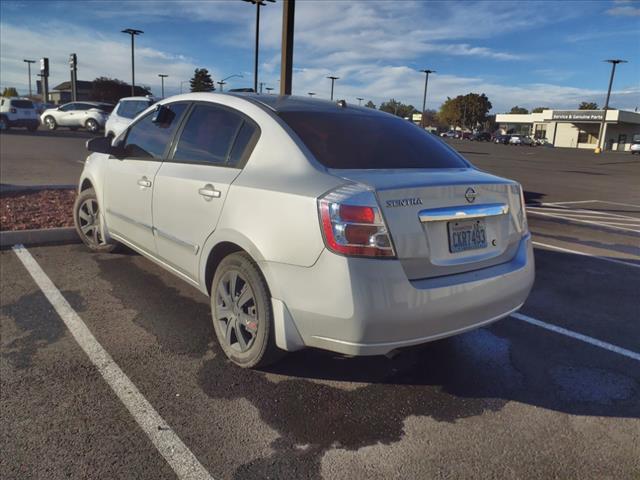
x=531 y=54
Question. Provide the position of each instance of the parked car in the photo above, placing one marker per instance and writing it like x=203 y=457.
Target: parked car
x=124 y=113
x=449 y=134
x=521 y=140
x=481 y=137
x=41 y=107
x=18 y=112
x=309 y=223
x=464 y=135
x=542 y=142
x=635 y=144
x=503 y=139
x=74 y=115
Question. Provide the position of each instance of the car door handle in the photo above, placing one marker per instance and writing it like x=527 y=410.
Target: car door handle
x=144 y=182
x=209 y=192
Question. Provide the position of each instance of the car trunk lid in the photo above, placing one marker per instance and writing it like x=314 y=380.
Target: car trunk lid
x=446 y=221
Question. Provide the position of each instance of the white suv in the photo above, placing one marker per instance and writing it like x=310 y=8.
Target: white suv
x=124 y=113
x=18 y=112
x=74 y=115
x=310 y=223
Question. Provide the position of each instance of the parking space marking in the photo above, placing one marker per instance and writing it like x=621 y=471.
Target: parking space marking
x=584 y=254
x=178 y=456
x=587 y=201
x=578 y=336
x=606 y=220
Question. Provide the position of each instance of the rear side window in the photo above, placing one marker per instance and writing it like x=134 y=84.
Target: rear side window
x=243 y=145
x=148 y=140
x=355 y=140
x=22 y=104
x=208 y=135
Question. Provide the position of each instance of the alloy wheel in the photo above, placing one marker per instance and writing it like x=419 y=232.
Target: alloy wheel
x=89 y=221
x=236 y=311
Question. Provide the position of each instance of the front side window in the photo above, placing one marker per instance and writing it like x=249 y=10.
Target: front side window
x=68 y=107
x=149 y=140
x=208 y=135
x=355 y=140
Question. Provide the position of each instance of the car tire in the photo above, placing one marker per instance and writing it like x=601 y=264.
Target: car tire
x=86 y=217
x=50 y=122
x=4 y=123
x=91 y=125
x=245 y=331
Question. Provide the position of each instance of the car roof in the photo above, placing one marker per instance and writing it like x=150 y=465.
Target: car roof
x=295 y=103
x=131 y=99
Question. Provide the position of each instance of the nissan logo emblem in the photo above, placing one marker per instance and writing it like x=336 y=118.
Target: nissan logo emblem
x=470 y=195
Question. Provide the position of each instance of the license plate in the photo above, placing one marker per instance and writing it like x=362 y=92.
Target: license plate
x=468 y=235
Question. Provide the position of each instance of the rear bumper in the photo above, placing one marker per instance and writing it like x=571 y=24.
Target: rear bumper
x=368 y=307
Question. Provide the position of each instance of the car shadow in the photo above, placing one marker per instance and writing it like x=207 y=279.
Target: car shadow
x=318 y=401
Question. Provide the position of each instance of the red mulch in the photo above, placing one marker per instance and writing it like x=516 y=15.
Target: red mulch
x=37 y=209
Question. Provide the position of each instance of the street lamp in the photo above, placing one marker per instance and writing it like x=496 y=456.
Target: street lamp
x=333 y=79
x=162 y=77
x=222 y=82
x=29 y=62
x=424 y=97
x=602 y=132
x=133 y=32
x=311 y=94
x=359 y=101
x=268 y=89
x=258 y=4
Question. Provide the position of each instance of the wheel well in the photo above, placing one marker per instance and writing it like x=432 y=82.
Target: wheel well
x=216 y=255
x=86 y=184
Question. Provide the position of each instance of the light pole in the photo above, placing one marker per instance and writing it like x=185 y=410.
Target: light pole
x=133 y=32
x=311 y=94
x=359 y=101
x=222 y=82
x=162 y=77
x=29 y=62
x=258 y=4
x=424 y=97
x=333 y=79
x=602 y=132
x=268 y=89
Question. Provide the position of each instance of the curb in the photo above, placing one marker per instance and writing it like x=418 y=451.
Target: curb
x=43 y=236
x=11 y=188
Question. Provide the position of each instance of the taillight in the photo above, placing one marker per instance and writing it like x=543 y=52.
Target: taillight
x=523 y=212
x=352 y=223
x=13 y=110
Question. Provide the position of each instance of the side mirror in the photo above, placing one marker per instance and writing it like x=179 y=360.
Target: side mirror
x=162 y=115
x=102 y=145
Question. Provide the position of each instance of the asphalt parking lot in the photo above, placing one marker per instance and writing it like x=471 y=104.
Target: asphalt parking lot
x=551 y=393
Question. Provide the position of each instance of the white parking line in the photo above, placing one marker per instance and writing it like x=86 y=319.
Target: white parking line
x=178 y=456
x=584 y=254
x=578 y=336
x=578 y=220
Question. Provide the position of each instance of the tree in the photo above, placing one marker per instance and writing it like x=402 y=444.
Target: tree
x=519 y=110
x=539 y=109
x=201 y=81
x=468 y=110
x=10 y=92
x=397 y=108
x=370 y=104
x=588 y=106
x=431 y=119
x=111 y=90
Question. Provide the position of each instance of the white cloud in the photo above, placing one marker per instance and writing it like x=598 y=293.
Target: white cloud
x=102 y=55
x=624 y=8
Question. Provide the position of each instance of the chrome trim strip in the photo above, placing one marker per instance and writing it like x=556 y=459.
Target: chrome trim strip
x=129 y=219
x=180 y=242
x=463 y=212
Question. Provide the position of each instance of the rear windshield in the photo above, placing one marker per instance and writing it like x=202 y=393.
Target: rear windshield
x=353 y=140
x=22 y=103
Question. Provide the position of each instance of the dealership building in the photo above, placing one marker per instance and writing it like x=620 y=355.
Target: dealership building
x=575 y=128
